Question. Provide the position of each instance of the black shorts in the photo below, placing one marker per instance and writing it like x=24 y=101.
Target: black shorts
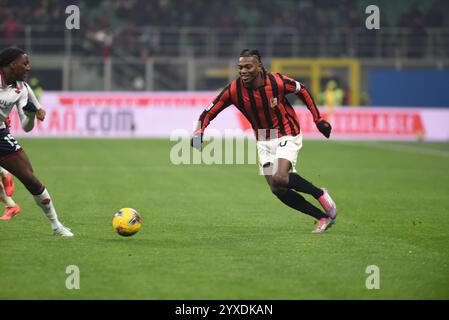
x=8 y=144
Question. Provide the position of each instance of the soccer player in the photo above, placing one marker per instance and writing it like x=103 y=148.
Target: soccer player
x=261 y=97
x=14 y=91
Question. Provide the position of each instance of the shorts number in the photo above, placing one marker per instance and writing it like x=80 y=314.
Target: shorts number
x=283 y=144
x=12 y=141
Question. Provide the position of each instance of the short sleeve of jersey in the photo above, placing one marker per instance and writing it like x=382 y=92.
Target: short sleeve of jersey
x=291 y=85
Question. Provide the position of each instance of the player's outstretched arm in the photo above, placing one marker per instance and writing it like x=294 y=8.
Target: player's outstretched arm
x=221 y=102
x=322 y=125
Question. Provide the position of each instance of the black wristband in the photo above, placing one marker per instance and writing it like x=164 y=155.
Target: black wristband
x=30 y=107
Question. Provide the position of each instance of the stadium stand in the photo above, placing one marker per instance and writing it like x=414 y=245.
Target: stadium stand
x=323 y=28
x=192 y=44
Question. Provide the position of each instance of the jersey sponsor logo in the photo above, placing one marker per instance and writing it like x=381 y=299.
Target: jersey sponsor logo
x=274 y=102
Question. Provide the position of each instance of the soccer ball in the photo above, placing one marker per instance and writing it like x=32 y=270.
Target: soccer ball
x=127 y=222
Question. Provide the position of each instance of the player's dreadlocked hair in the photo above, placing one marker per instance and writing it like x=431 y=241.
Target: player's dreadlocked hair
x=253 y=53
x=9 y=55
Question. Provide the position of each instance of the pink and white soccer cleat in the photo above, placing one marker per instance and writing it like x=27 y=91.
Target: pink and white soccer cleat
x=324 y=224
x=328 y=204
x=10 y=212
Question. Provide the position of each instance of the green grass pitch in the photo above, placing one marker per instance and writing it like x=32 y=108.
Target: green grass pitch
x=216 y=231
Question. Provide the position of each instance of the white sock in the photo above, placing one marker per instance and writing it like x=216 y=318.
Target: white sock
x=4 y=198
x=44 y=201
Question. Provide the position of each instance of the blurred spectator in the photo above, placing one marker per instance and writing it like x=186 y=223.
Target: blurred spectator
x=417 y=38
x=434 y=17
x=11 y=28
x=331 y=97
x=321 y=27
x=35 y=85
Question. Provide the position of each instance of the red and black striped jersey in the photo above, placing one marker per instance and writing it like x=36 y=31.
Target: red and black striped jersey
x=265 y=107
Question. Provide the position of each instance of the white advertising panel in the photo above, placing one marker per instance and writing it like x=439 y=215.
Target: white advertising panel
x=159 y=114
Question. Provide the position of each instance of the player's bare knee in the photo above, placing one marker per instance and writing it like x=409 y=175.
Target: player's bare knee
x=280 y=181
x=276 y=189
x=278 y=192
